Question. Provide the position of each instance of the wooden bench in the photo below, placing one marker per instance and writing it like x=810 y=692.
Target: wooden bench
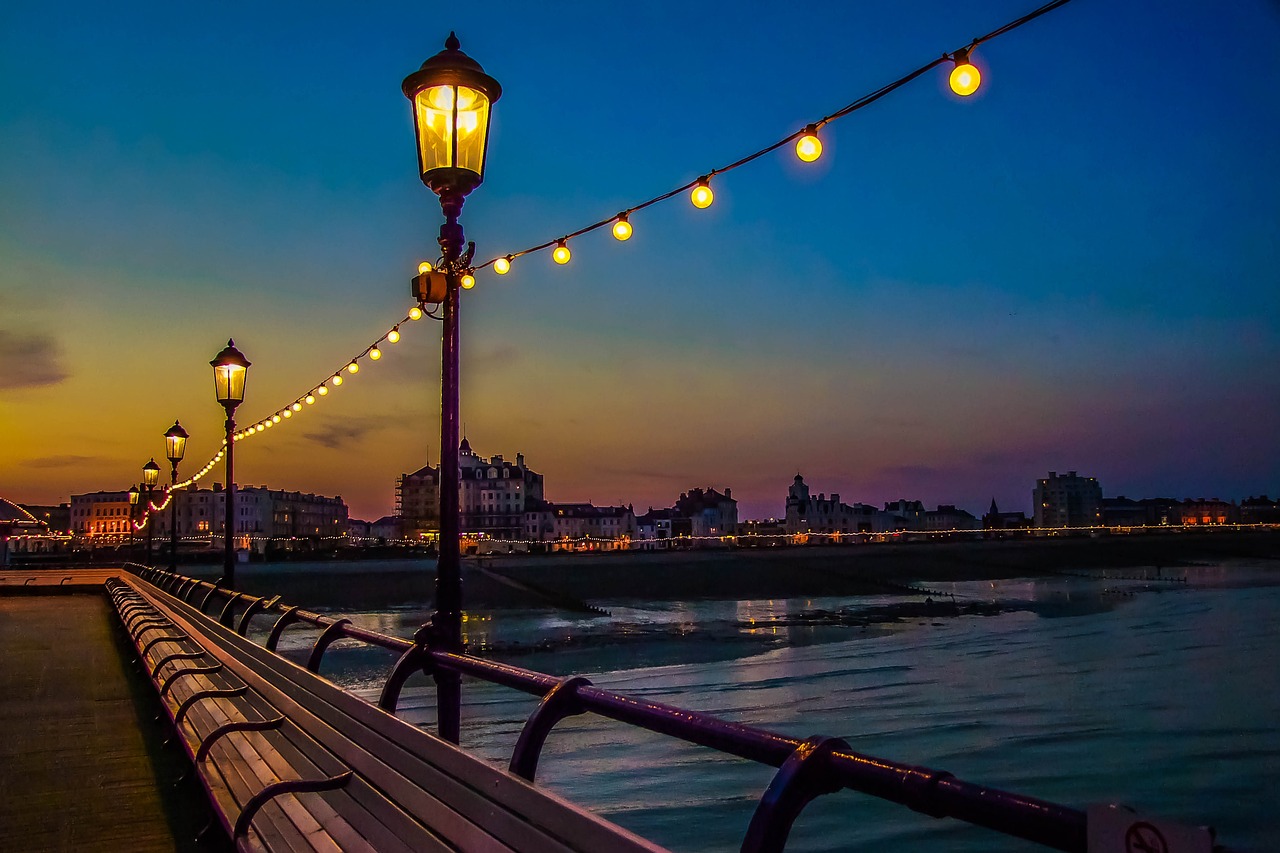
x=292 y=762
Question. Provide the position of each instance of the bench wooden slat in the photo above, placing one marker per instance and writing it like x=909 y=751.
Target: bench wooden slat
x=410 y=791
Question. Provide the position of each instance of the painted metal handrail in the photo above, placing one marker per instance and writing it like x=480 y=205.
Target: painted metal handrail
x=807 y=767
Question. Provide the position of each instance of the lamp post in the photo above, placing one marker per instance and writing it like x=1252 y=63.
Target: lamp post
x=150 y=476
x=133 y=511
x=451 y=97
x=230 y=369
x=175 y=447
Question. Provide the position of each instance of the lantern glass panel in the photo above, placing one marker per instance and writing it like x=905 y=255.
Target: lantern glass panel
x=175 y=447
x=228 y=382
x=453 y=122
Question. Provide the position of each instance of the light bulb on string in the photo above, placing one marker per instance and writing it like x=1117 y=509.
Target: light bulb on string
x=622 y=228
x=415 y=313
x=394 y=335
x=424 y=267
x=337 y=380
x=965 y=77
x=271 y=423
x=809 y=146
x=702 y=196
x=288 y=413
x=375 y=353
x=353 y=368
x=322 y=390
x=297 y=407
x=275 y=419
x=260 y=428
x=468 y=281
x=502 y=266
x=561 y=254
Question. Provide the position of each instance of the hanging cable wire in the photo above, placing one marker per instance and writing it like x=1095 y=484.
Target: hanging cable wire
x=808 y=129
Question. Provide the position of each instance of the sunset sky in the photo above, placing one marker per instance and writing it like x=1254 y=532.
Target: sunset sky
x=1077 y=268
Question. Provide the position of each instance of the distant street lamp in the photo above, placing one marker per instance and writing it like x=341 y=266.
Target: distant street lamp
x=133 y=511
x=230 y=369
x=175 y=447
x=150 y=476
x=451 y=97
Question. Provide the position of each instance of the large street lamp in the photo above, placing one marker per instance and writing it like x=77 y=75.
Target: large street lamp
x=451 y=97
x=175 y=447
x=230 y=369
x=150 y=476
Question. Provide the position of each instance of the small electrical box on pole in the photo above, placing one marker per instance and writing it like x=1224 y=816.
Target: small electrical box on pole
x=430 y=286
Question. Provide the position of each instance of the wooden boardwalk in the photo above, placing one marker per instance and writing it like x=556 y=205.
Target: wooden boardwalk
x=81 y=766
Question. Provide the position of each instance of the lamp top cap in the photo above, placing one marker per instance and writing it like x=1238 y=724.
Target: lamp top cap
x=176 y=431
x=230 y=356
x=151 y=466
x=451 y=67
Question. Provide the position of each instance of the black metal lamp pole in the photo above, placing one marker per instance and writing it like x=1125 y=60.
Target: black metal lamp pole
x=451 y=97
x=230 y=369
x=150 y=476
x=175 y=446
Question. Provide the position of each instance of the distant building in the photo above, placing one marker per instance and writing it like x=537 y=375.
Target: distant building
x=57 y=517
x=710 y=513
x=260 y=514
x=1067 y=501
x=606 y=527
x=418 y=503
x=997 y=520
x=1259 y=510
x=1212 y=511
x=911 y=513
x=807 y=514
x=663 y=528
x=494 y=495
x=948 y=518
x=1125 y=512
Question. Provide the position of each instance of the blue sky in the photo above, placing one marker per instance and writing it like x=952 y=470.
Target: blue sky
x=1076 y=268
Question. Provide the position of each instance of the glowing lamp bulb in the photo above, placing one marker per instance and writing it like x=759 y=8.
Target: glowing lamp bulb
x=415 y=313
x=702 y=196
x=375 y=353
x=394 y=335
x=622 y=228
x=468 y=281
x=561 y=255
x=965 y=79
x=337 y=380
x=424 y=267
x=275 y=419
x=502 y=266
x=311 y=399
x=259 y=428
x=297 y=407
x=809 y=146
x=288 y=413
x=322 y=390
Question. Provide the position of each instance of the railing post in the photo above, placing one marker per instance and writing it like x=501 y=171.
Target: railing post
x=560 y=702
x=804 y=776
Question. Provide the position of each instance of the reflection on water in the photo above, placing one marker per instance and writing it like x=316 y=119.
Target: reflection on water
x=1160 y=695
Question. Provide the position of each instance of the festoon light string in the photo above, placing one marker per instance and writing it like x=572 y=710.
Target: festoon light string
x=964 y=80
x=373 y=352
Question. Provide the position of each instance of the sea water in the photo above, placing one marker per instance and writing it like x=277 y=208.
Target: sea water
x=1161 y=695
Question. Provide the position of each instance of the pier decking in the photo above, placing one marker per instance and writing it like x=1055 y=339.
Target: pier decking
x=80 y=765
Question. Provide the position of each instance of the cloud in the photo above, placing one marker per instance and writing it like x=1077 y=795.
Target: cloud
x=29 y=361
x=60 y=461
x=336 y=436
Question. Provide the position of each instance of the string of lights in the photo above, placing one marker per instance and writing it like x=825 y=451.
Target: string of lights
x=350 y=367
x=964 y=80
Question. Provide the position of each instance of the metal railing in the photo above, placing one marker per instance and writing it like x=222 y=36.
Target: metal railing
x=806 y=768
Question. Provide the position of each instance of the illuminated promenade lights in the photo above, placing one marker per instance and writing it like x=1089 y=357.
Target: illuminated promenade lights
x=175 y=447
x=452 y=98
x=230 y=370
x=134 y=494
x=150 y=476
